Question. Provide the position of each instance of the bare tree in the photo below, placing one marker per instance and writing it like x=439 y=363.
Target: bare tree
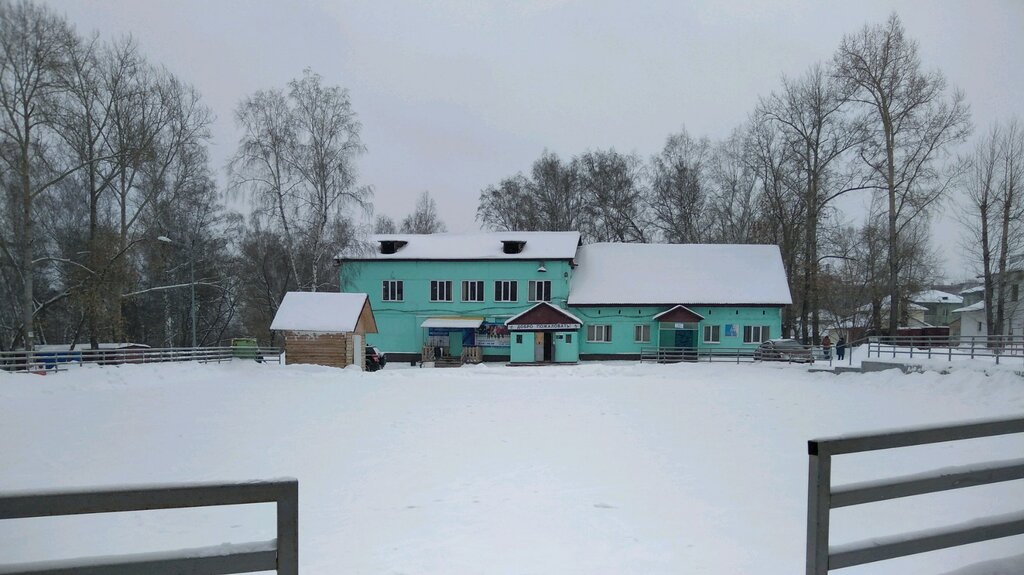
x=781 y=210
x=551 y=199
x=324 y=157
x=811 y=113
x=614 y=206
x=424 y=218
x=297 y=158
x=383 y=224
x=1009 y=195
x=913 y=127
x=980 y=213
x=32 y=57
x=735 y=182
x=679 y=194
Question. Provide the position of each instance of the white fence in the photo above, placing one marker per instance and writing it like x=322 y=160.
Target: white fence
x=823 y=497
x=43 y=361
x=281 y=554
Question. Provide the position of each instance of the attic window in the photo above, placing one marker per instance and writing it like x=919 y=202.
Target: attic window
x=391 y=246
x=512 y=246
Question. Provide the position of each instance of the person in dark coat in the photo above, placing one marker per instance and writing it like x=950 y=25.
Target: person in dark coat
x=841 y=347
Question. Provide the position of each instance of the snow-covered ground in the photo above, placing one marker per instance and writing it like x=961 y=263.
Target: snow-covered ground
x=590 y=469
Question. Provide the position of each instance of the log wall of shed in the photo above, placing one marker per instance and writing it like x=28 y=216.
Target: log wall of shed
x=330 y=349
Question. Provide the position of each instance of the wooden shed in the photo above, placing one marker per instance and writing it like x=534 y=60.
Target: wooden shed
x=325 y=328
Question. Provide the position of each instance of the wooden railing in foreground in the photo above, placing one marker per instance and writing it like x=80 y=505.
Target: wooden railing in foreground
x=823 y=497
x=281 y=554
x=50 y=360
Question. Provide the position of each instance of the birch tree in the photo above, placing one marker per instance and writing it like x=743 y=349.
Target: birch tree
x=32 y=60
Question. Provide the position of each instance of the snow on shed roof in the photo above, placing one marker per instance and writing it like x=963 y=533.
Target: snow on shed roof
x=478 y=246
x=319 y=311
x=936 y=296
x=679 y=274
x=974 y=289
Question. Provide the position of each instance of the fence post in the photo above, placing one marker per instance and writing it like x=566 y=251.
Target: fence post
x=819 y=487
x=288 y=531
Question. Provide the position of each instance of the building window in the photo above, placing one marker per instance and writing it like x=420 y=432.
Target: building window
x=755 y=333
x=568 y=338
x=979 y=327
x=1015 y=292
x=642 y=333
x=540 y=290
x=440 y=290
x=472 y=291
x=519 y=338
x=506 y=290
x=712 y=333
x=599 y=333
x=392 y=290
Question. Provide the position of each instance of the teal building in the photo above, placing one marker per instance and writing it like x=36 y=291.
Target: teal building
x=543 y=297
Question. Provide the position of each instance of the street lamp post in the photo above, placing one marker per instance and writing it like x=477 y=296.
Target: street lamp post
x=191 y=279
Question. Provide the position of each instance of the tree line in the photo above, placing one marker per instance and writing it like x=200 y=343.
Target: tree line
x=870 y=120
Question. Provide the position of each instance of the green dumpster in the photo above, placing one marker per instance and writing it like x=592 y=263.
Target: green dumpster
x=245 y=348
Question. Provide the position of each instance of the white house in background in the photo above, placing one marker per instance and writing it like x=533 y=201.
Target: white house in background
x=915 y=315
x=325 y=328
x=972 y=313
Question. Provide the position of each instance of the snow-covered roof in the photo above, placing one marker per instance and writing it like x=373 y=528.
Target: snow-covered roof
x=974 y=289
x=977 y=306
x=679 y=274
x=319 y=311
x=936 y=296
x=477 y=246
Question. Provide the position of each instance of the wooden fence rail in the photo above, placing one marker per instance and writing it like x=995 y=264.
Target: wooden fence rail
x=281 y=554
x=823 y=497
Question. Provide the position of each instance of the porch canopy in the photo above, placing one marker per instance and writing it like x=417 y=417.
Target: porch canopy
x=544 y=317
x=453 y=322
x=679 y=314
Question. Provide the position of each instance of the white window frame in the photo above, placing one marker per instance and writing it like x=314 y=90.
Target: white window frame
x=506 y=290
x=599 y=333
x=447 y=284
x=476 y=288
x=762 y=333
x=642 y=333
x=396 y=289
x=532 y=293
x=715 y=332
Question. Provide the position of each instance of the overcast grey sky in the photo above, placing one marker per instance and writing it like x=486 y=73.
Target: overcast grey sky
x=454 y=95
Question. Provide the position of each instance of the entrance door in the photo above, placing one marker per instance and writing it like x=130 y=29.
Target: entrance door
x=687 y=339
x=455 y=343
x=538 y=346
x=549 y=347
